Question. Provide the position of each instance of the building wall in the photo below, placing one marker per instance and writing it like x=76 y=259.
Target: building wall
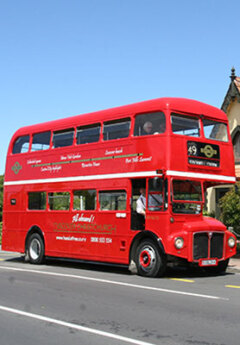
x=233 y=114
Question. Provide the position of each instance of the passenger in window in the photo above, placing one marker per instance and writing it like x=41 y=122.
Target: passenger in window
x=147 y=128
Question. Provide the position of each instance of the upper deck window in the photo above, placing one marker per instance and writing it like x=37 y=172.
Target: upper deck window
x=88 y=134
x=116 y=129
x=21 y=144
x=215 y=130
x=41 y=141
x=150 y=123
x=63 y=138
x=185 y=125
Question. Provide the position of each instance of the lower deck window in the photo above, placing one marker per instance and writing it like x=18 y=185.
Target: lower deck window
x=84 y=200
x=112 y=200
x=37 y=201
x=59 y=201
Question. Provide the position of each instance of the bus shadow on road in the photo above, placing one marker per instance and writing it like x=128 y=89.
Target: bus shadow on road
x=171 y=271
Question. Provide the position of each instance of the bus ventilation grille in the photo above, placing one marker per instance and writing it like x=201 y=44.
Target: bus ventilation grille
x=208 y=245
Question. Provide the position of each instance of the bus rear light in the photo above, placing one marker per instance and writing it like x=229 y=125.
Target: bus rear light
x=231 y=242
x=179 y=242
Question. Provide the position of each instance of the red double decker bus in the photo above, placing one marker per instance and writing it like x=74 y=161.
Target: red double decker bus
x=72 y=187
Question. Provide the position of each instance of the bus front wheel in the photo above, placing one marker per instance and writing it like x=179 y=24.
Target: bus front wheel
x=150 y=261
x=35 y=249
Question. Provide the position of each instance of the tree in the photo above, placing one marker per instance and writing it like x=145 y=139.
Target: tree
x=1 y=196
x=230 y=208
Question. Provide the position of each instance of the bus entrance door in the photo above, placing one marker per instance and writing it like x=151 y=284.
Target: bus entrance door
x=138 y=204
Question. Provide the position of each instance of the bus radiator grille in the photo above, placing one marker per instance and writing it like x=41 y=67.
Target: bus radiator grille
x=208 y=245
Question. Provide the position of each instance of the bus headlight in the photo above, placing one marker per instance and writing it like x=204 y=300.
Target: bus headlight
x=179 y=242
x=231 y=242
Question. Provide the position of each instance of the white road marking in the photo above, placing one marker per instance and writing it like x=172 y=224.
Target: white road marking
x=129 y=285
x=74 y=326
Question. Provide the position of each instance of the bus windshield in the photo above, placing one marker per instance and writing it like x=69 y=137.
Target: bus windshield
x=187 y=196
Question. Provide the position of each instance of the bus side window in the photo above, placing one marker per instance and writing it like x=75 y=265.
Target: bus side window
x=41 y=141
x=63 y=138
x=37 y=200
x=116 y=129
x=113 y=200
x=59 y=201
x=84 y=200
x=88 y=134
x=150 y=123
x=21 y=144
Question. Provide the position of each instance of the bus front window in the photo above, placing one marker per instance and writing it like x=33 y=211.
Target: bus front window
x=215 y=130
x=186 y=196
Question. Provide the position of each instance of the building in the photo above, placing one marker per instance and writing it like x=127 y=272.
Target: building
x=231 y=106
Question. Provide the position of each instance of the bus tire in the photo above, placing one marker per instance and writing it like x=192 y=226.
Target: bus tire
x=150 y=261
x=35 y=249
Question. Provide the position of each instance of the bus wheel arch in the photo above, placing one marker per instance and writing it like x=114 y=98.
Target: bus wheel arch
x=35 y=246
x=147 y=255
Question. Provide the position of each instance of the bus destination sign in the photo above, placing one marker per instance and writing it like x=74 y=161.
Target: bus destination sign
x=203 y=154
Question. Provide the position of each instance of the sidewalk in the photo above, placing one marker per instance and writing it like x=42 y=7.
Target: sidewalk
x=234 y=263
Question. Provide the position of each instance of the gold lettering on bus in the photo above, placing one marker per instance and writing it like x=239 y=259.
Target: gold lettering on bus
x=85 y=228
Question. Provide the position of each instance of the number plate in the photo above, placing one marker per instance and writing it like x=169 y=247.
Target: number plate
x=208 y=262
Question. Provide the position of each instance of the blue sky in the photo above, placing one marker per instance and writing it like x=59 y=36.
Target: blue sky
x=66 y=57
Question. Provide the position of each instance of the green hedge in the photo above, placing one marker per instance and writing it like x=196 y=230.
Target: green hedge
x=0 y=232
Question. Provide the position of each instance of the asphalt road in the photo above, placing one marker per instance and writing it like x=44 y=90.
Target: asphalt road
x=74 y=303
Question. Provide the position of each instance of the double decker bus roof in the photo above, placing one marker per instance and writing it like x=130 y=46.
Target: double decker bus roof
x=184 y=105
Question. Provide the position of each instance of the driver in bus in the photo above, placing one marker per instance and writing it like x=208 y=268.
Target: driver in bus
x=141 y=202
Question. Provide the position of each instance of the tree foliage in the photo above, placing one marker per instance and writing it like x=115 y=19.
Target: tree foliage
x=230 y=208
x=1 y=196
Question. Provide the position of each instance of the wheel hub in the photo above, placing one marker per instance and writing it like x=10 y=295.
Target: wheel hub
x=147 y=257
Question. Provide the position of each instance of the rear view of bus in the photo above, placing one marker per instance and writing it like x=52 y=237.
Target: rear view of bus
x=72 y=187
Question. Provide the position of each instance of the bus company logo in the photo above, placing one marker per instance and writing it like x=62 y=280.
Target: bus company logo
x=208 y=151
x=16 y=168
x=81 y=218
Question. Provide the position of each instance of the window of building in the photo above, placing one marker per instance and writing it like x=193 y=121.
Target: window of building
x=37 y=201
x=215 y=130
x=41 y=141
x=21 y=144
x=59 y=201
x=113 y=200
x=236 y=147
x=88 y=134
x=116 y=129
x=150 y=123
x=63 y=138
x=84 y=200
x=183 y=125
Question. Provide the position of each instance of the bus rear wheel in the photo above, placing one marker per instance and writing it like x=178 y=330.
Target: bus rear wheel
x=35 y=249
x=150 y=261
